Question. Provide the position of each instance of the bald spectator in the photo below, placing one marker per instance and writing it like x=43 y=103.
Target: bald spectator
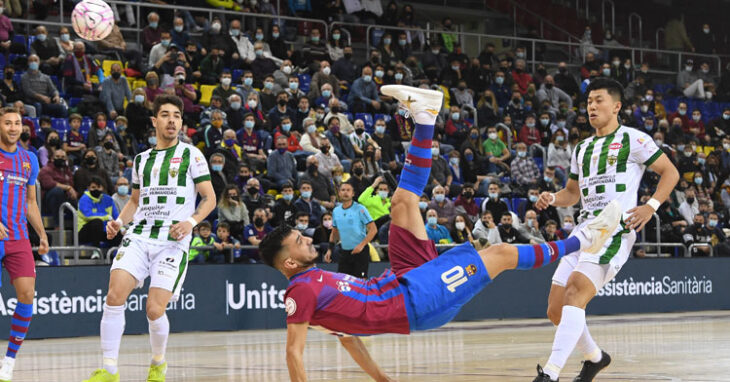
x=180 y=36
x=322 y=187
x=443 y=206
x=40 y=91
x=364 y=93
x=151 y=34
x=326 y=157
x=47 y=50
x=521 y=77
x=281 y=167
x=548 y=91
x=114 y=91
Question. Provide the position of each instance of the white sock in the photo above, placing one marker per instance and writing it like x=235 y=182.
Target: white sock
x=569 y=331
x=159 y=331
x=425 y=118
x=588 y=347
x=111 y=330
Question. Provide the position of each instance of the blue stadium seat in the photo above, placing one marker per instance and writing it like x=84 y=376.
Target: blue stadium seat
x=36 y=126
x=236 y=75
x=304 y=81
x=110 y=123
x=2 y=61
x=516 y=203
x=479 y=200
x=367 y=118
x=60 y=125
x=17 y=77
x=538 y=161
x=348 y=115
x=13 y=56
x=73 y=101
x=85 y=127
x=384 y=117
x=30 y=41
x=20 y=39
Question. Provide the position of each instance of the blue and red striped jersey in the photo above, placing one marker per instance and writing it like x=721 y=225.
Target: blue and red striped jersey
x=345 y=305
x=17 y=169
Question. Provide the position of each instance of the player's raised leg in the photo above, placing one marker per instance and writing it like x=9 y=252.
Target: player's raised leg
x=121 y=284
x=159 y=328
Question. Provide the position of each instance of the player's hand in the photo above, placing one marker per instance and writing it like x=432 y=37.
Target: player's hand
x=544 y=200
x=180 y=230
x=639 y=216
x=43 y=246
x=112 y=228
x=3 y=232
x=358 y=248
x=328 y=256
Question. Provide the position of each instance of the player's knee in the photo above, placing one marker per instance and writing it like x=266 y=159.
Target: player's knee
x=115 y=298
x=26 y=296
x=154 y=311
x=554 y=313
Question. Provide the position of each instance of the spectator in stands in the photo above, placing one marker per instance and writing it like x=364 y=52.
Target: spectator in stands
x=280 y=165
x=40 y=91
x=314 y=49
x=152 y=90
x=255 y=232
x=281 y=110
x=204 y=239
x=9 y=88
x=108 y=156
x=219 y=177
x=336 y=109
x=364 y=93
x=322 y=188
x=696 y=127
x=114 y=45
x=263 y=64
x=234 y=113
x=529 y=134
x=230 y=146
x=508 y=234
x=185 y=91
x=478 y=77
x=530 y=229
x=88 y=169
x=457 y=128
x=690 y=82
x=121 y=197
x=493 y=203
x=322 y=77
x=159 y=52
x=138 y=115
x=247 y=85
x=548 y=91
x=451 y=75
x=496 y=151
x=179 y=35
x=524 y=169
x=345 y=68
x=690 y=207
x=719 y=127
x=284 y=209
x=642 y=114
x=440 y=173
x=705 y=42
x=699 y=233
x=214 y=132
x=254 y=198
x=358 y=180
x=325 y=96
x=465 y=203
x=225 y=244
x=360 y=138
x=194 y=57
x=302 y=224
x=433 y=60
x=487 y=109
x=99 y=128
x=224 y=90
x=65 y=44
x=590 y=64
x=443 y=206
x=375 y=198
x=74 y=144
x=559 y=152
x=45 y=152
x=565 y=81
x=57 y=184
x=688 y=163
x=211 y=69
x=233 y=211
x=239 y=49
x=340 y=142
x=326 y=158
x=152 y=33
x=281 y=76
x=96 y=208
x=515 y=110
x=461 y=233
x=302 y=112
x=501 y=90
x=384 y=141
x=435 y=231
x=47 y=51
x=486 y=229
x=293 y=91
x=371 y=160
x=308 y=204
x=114 y=91
x=311 y=139
x=520 y=76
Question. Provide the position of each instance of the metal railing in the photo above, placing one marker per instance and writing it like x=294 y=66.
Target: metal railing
x=473 y=110
x=658 y=229
x=686 y=253
x=75 y=229
x=542 y=20
x=696 y=245
x=634 y=15
x=613 y=14
x=656 y=35
x=543 y=151
x=507 y=133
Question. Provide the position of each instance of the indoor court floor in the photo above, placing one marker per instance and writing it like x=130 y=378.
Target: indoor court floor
x=655 y=347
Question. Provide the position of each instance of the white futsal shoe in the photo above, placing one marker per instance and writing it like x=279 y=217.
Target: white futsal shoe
x=6 y=371
x=602 y=227
x=415 y=99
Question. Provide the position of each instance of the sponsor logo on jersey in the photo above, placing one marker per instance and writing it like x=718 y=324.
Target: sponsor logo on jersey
x=616 y=146
x=343 y=286
x=175 y=160
x=471 y=270
x=290 y=306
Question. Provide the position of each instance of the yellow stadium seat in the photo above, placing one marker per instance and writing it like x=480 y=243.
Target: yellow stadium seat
x=206 y=92
x=106 y=66
x=139 y=84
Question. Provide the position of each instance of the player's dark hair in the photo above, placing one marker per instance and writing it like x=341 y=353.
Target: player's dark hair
x=612 y=86
x=164 y=99
x=271 y=245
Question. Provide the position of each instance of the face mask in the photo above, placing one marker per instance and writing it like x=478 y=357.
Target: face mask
x=383 y=194
x=530 y=223
x=533 y=198
x=178 y=28
x=152 y=140
x=682 y=111
x=24 y=136
x=59 y=163
x=367 y=78
x=696 y=118
x=530 y=124
x=439 y=197
x=474 y=136
x=326 y=70
x=688 y=68
x=226 y=81
x=690 y=200
x=726 y=116
x=492 y=136
x=520 y=54
x=90 y=160
x=547 y=179
x=123 y=190
x=65 y=37
x=499 y=80
x=288 y=197
x=348 y=56
x=306 y=194
x=522 y=154
x=336 y=36
x=268 y=85
x=422 y=205
x=398 y=76
x=335 y=109
x=380 y=129
x=454 y=161
x=235 y=32
x=248 y=81
x=216 y=27
x=286 y=69
x=401 y=112
x=627 y=66
x=469 y=157
x=432 y=221
x=217 y=123
x=249 y=124
x=152 y=82
x=281 y=102
x=544 y=121
x=379 y=73
x=455 y=67
x=315 y=39
x=258 y=222
x=434 y=151
x=281 y=150
x=153 y=24
x=33 y=65
x=235 y=105
x=326 y=93
x=216 y=167
x=108 y=145
x=582 y=111
x=460 y=226
x=726 y=146
x=41 y=37
x=701 y=161
x=275 y=35
x=335 y=129
x=644 y=108
x=165 y=43
x=229 y=142
x=688 y=154
x=358 y=171
x=311 y=129
x=606 y=72
x=698 y=181
x=493 y=195
x=712 y=223
x=559 y=138
x=95 y=193
x=294 y=86
x=304 y=111
x=286 y=127
x=659 y=142
x=649 y=97
x=302 y=226
x=455 y=116
x=568 y=226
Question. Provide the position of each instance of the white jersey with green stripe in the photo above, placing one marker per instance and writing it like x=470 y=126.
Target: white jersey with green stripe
x=166 y=181
x=610 y=168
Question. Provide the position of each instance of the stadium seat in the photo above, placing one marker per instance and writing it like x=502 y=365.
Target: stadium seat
x=60 y=125
x=384 y=117
x=367 y=118
x=106 y=66
x=206 y=92
x=236 y=75
x=2 y=62
x=139 y=84
x=516 y=203
x=37 y=126
x=304 y=81
x=110 y=123
x=348 y=115
x=19 y=39
x=84 y=129
x=538 y=161
x=73 y=101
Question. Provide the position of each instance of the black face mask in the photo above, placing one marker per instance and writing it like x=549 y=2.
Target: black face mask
x=24 y=137
x=574 y=136
x=562 y=70
x=108 y=145
x=334 y=109
x=516 y=100
x=53 y=142
x=690 y=200
x=359 y=131
x=358 y=171
x=60 y=163
x=311 y=169
x=548 y=86
x=258 y=222
x=467 y=195
x=252 y=190
x=325 y=149
x=95 y=193
x=116 y=75
x=348 y=56
x=699 y=225
x=90 y=160
x=9 y=75
x=282 y=102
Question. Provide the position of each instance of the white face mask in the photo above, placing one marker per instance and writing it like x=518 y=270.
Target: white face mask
x=460 y=226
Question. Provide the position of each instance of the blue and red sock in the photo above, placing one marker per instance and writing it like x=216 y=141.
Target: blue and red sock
x=540 y=255
x=19 y=327
x=418 y=160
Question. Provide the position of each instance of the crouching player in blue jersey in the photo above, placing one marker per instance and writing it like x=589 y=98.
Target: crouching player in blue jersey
x=422 y=290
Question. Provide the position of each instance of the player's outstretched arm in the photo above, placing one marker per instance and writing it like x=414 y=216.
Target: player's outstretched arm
x=296 y=337
x=568 y=196
x=668 y=178
x=34 y=217
x=360 y=354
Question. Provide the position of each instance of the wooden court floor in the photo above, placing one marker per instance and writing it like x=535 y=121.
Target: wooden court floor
x=658 y=347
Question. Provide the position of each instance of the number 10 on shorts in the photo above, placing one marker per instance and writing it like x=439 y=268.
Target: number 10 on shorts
x=453 y=278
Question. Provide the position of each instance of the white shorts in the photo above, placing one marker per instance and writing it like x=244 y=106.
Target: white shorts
x=165 y=262
x=599 y=267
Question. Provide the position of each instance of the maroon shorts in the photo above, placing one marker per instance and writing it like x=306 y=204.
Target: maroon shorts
x=407 y=251
x=17 y=258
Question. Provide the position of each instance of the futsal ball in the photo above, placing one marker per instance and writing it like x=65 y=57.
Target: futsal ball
x=92 y=20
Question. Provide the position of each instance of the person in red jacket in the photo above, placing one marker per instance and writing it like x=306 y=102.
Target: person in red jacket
x=529 y=134
x=57 y=184
x=521 y=77
x=681 y=113
x=696 y=127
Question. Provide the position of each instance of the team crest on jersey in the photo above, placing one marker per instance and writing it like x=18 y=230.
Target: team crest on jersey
x=174 y=171
x=471 y=269
x=26 y=166
x=290 y=306
x=126 y=242
x=612 y=159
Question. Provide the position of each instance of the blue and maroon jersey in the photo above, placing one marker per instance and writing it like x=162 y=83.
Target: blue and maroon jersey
x=345 y=305
x=17 y=170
